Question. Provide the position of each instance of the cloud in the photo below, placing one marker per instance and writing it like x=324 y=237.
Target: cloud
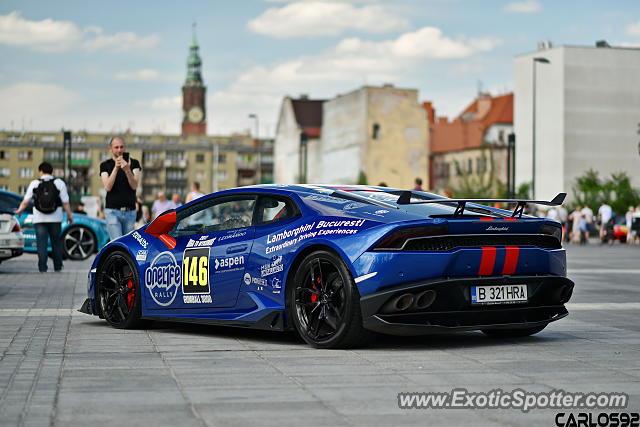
x=633 y=29
x=526 y=6
x=349 y=64
x=49 y=35
x=161 y=103
x=324 y=18
x=144 y=74
x=30 y=100
x=46 y=35
x=121 y=42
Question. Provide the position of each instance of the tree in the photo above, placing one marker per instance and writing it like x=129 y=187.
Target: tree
x=617 y=191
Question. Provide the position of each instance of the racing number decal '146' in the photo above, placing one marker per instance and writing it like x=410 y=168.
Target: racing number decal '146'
x=195 y=271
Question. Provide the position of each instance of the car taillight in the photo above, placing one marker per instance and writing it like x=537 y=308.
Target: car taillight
x=16 y=227
x=397 y=239
x=552 y=230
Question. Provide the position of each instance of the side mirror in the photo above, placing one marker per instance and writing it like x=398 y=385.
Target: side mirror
x=160 y=226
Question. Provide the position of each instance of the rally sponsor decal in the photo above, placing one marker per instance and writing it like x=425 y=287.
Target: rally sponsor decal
x=276 y=285
x=287 y=238
x=275 y=266
x=141 y=255
x=140 y=239
x=234 y=234
x=233 y=263
x=492 y=228
x=163 y=278
x=247 y=279
x=195 y=275
x=202 y=241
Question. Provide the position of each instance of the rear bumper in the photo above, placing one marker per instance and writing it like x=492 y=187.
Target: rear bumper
x=452 y=310
x=10 y=252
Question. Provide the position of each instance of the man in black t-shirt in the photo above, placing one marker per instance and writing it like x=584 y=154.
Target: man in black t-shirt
x=120 y=176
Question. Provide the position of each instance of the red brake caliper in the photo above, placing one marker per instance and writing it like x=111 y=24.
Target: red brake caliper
x=314 y=297
x=131 y=294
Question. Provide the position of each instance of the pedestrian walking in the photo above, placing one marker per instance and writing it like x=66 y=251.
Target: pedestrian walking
x=195 y=192
x=418 y=186
x=577 y=226
x=604 y=213
x=49 y=196
x=587 y=213
x=175 y=198
x=160 y=205
x=120 y=175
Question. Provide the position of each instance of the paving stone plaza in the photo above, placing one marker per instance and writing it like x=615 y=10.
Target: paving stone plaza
x=59 y=367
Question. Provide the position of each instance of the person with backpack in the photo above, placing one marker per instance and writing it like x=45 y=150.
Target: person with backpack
x=49 y=196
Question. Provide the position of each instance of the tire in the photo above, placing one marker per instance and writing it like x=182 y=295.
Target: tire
x=324 y=303
x=118 y=292
x=78 y=243
x=512 y=333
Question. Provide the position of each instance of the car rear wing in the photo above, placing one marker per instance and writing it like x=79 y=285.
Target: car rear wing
x=405 y=199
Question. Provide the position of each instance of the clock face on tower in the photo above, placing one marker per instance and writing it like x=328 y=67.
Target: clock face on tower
x=195 y=115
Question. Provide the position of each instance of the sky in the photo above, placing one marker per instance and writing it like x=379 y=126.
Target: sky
x=118 y=65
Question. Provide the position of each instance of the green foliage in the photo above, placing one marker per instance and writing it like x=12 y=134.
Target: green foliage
x=523 y=191
x=362 y=178
x=589 y=189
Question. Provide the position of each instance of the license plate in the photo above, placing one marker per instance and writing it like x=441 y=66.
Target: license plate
x=498 y=294
x=5 y=252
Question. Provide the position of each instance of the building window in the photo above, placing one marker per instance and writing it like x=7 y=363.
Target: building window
x=79 y=155
x=175 y=156
x=4 y=171
x=200 y=175
x=199 y=158
x=4 y=155
x=141 y=139
x=376 y=131
x=222 y=158
x=4 y=187
x=48 y=138
x=58 y=172
x=25 y=155
x=104 y=156
x=470 y=166
x=79 y=138
x=22 y=189
x=13 y=138
x=222 y=175
x=26 y=173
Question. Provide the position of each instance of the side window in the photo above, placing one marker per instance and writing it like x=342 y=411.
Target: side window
x=215 y=215
x=273 y=209
x=8 y=203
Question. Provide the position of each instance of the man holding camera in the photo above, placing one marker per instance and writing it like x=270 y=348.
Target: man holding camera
x=120 y=176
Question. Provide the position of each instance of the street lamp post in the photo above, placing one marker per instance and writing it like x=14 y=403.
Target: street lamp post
x=533 y=131
x=256 y=137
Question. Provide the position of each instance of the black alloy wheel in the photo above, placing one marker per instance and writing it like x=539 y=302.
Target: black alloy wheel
x=118 y=291
x=512 y=333
x=78 y=243
x=324 y=303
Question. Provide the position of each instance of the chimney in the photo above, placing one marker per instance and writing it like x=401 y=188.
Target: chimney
x=602 y=43
x=304 y=96
x=431 y=112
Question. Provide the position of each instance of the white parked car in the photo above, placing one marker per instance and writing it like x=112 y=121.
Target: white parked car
x=11 y=238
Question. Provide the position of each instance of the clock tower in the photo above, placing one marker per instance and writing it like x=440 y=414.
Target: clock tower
x=194 y=119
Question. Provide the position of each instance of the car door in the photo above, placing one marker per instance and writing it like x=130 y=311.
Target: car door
x=213 y=242
x=265 y=270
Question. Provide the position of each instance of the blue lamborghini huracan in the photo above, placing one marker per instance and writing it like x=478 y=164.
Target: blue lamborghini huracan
x=336 y=263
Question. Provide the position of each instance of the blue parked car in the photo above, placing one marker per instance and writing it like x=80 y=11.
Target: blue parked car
x=80 y=240
x=335 y=262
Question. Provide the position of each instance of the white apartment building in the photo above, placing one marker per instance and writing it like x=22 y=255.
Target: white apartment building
x=587 y=115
